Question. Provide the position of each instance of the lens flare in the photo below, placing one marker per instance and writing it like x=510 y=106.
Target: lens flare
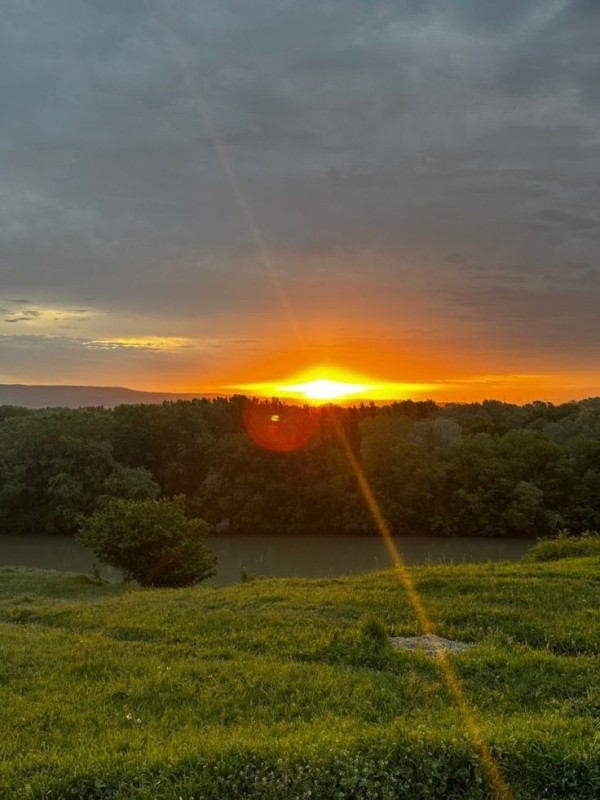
x=491 y=767
x=272 y=427
x=276 y=427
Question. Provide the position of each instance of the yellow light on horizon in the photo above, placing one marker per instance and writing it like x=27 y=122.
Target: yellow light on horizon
x=329 y=384
x=325 y=389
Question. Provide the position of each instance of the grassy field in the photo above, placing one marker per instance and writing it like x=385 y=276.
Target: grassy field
x=282 y=688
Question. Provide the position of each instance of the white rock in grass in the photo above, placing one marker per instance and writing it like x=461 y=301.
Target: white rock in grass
x=431 y=645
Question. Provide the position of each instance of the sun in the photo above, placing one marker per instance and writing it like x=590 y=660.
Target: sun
x=325 y=389
x=317 y=386
x=332 y=384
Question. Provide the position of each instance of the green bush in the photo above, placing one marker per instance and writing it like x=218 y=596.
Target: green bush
x=151 y=541
x=565 y=546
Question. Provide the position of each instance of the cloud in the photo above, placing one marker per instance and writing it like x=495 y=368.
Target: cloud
x=163 y=344
x=15 y=311
x=160 y=344
x=406 y=150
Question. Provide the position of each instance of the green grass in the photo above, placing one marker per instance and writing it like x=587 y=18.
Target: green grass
x=565 y=546
x=285 y=689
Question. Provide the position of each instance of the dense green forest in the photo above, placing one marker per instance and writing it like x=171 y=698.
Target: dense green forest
x=482 y=469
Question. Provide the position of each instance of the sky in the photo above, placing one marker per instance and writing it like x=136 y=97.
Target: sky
x=199 y=196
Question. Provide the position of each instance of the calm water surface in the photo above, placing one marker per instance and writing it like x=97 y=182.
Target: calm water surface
x=277 y=556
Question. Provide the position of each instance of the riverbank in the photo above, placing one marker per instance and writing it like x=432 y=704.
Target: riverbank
x=273 y=556
x=283 y=688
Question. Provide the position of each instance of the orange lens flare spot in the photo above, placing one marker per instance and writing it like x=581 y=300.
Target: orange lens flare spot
x=283 y=431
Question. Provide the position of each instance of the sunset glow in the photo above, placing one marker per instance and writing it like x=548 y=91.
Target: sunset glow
x=373 y=225
x=326 y=389
x=331 y=384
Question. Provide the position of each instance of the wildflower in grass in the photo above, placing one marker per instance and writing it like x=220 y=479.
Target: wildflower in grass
x=128 y=716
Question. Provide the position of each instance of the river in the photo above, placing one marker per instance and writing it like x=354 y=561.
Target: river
x=277 y=556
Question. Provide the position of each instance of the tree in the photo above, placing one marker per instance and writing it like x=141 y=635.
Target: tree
x=57 y=465
x=526 y=512
x=151 y=541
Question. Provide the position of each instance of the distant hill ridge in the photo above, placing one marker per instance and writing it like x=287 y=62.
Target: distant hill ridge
x=81 y=396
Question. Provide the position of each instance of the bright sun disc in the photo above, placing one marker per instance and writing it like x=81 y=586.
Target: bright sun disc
x=324 y=389
x=330 y=385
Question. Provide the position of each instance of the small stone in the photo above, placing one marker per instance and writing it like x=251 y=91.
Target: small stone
x=431 y=645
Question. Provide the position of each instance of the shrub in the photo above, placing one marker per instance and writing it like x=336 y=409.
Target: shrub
x=151 y=541
x=565 y=546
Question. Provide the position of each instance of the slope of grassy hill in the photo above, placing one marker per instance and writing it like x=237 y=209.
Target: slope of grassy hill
x=284 y=689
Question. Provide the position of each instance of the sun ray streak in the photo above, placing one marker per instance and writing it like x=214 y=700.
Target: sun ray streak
x=227 y=164
x=455 y=688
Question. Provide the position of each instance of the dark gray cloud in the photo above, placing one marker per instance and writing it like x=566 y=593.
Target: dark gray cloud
x=451 y=148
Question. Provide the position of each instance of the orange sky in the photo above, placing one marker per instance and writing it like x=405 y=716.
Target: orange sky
x=229 y=200
x=445 y=359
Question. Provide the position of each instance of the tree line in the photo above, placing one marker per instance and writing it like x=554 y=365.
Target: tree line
x=479 y=469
